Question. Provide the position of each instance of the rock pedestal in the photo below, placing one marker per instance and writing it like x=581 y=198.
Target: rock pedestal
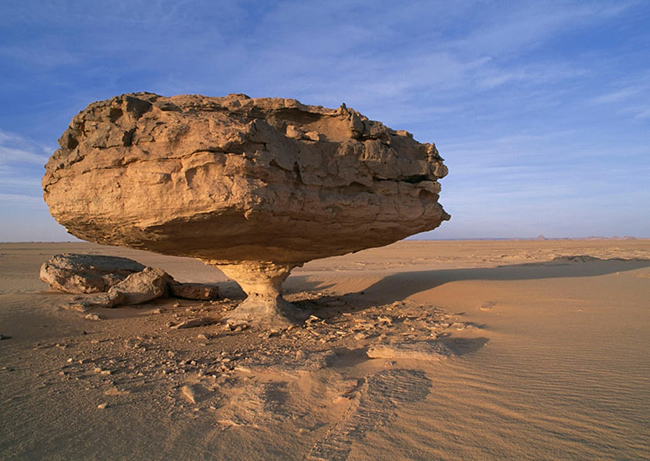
x=262 y=282
x=253 y=186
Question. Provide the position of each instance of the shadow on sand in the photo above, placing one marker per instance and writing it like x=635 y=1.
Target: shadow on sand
x=401 y=285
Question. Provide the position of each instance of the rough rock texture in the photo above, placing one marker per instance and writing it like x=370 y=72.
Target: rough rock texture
x=141 y=287
x=137 y=288
x=256 y=186
x=76 y=273
x=196 y=291
x=79 y=273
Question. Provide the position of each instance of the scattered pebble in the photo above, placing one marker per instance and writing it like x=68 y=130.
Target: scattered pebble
x=188 y=393
x=93 y=316
x=193 y=323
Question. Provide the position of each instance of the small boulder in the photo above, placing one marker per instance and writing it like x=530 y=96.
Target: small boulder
x=143 y=286
x=137 y=288
x=77 y=273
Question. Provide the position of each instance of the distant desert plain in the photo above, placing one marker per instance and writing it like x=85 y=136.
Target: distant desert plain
x=417 y=350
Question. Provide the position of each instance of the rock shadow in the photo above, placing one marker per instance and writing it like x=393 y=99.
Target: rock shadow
x=401 y=285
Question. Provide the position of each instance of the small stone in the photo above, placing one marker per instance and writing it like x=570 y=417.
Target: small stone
x=312 y=136
x=93 y=316
x=188 y=393
x=193 y=323
x=385 y=319
x=102 y=406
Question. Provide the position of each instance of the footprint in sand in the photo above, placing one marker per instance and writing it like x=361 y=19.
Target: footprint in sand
x=377 y=401
x=487 y=306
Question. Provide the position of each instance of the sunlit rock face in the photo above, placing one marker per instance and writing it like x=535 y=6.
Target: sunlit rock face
x=256 y=186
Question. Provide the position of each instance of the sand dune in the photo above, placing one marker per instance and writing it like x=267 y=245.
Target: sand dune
x=487 y=350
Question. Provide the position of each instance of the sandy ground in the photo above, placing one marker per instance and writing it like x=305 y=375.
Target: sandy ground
x=484 y=350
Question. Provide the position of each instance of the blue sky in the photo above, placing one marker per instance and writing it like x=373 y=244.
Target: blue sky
x=541 y=109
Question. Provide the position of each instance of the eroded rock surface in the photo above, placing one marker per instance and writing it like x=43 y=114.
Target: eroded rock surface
x=255 y=186
x=191 y=290
x=116 y=281
x=77 y=273
x=137 y=288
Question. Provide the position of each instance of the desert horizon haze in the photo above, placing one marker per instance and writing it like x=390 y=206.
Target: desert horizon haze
x=540 y=110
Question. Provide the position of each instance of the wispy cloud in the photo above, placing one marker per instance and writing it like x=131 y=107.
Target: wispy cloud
x=15 y=150
x=21 y=200
x=21 y=169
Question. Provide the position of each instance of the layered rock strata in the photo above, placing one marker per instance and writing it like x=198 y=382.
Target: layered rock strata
x=253 y=186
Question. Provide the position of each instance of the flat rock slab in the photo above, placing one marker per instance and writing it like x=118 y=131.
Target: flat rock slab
x=78 y=273
x=194 y=323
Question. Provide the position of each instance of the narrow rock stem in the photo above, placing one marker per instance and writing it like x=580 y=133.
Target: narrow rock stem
x=262 y=282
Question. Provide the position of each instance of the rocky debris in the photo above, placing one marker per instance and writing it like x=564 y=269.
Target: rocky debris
x=195 y=291
x=574 y=259
x=117 y=281
x=79 y=273
x=249 y=379
x=253 y=186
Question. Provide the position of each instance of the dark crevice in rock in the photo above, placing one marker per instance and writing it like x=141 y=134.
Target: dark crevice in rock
x=417 y=178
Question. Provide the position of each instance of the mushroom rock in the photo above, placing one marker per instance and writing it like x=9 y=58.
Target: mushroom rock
x=255 y=187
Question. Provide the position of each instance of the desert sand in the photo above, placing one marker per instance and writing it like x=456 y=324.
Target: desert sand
x=481 y=350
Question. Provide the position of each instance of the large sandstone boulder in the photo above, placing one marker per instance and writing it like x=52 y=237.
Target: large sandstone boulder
x=77 y=273
x=253 y=186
